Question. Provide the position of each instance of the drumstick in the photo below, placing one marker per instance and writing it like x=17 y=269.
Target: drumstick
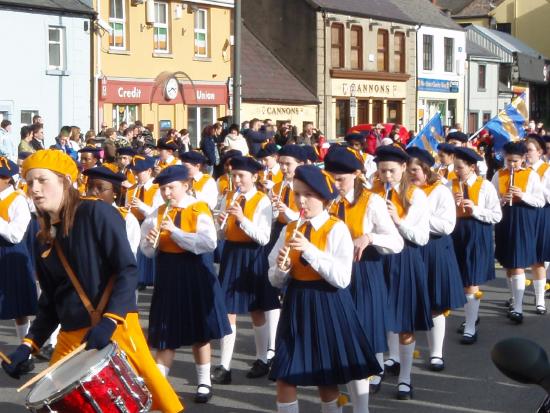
x=511 y=183
x=294 y=233
x=5 y=358
x=55 y=365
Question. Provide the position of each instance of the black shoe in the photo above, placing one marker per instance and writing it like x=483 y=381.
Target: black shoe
x=516 y=317
x=220 y=375
x=27 y=366
x=404 y=394
x=375 y=388
x=460 y=330
x=203 y=397
x=259 y=369
x=468 y=339
x=437 y=366
x=141 y=287
x=509 y=303
x=45 y=353
x=540 y=310
x=392 y=369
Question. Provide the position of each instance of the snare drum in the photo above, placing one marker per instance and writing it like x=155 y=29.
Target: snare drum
x=92 y=382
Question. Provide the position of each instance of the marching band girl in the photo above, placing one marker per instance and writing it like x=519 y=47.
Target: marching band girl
x=203 y=185
x=246 y=224
x=187 y=308
x=224 y=182
x=408 y=300
x=82 y=243
x=445 y=169
x=444 y=281
x=17 y=284
x=357 y=142
x=520 y=193
x=320 y=339
x=535 y=150
x=477 y=210
x=271 y=174
x=166 y=148
x=373 y=233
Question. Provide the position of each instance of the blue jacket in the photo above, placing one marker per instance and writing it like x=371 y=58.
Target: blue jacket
x=210 y=150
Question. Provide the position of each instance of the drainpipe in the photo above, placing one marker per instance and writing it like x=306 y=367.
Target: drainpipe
x=97 y=73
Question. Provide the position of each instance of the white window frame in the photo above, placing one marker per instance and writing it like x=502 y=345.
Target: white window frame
x=30 y=113
x=61 y=44
x=126 y=118
x=201 y=31
x=117 y=20
x=160 y=25
x=196 y=138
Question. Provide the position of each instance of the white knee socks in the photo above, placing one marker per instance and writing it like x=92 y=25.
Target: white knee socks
x=539 y=286
x=435 y=338
x=406 y=353
x=22 y=329
x=393 y=344
x=518 y=288
x=261 y=338
x=331 y=407
x=471 y=310
x=203 y=376
x=272 y=322
x=288 y=407
x=163 y=369
x=227 y=344
x=359 y=393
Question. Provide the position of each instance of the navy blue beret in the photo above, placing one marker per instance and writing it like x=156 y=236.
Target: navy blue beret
x=245 y=163
x=171 y=174
x=193 y=157
x=546 y=138
x=8 y=168
x=342 y=160
x=167 y=143
x=105 y=174
x=230 y=154
x=23 y=155
x=91 y=149
x=355 y=137
x=515 y=148
x=422 y=155
x=126 y=150
x=141 y=163
x=459 y=136
x=446 y=148
x=318 y=180
x=310 y=153
x=391 y=153
x=467 y=154
x=540 y=140
x=294 y=151
x=268 y=150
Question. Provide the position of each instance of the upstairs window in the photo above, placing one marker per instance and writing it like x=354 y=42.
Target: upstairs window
x=399 y=52
x=117 y=21
x=201 y=33
x=449 y=45
x=356 y=44
x=56 y=48
x=160 y=34
x=428 y=44
x=382 y=48
x=337 y=45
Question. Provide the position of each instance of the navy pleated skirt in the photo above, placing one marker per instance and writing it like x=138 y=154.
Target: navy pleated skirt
x=543 y=237
x=516 y=236
x=146 y=268
x=320 y=339
x=30 y=239
x=218 y=251
x=276 y=229
x=444 y=281
x=243 y=276
x=187 y=306
x=409 y=307
x=18 y=297
x=474 y=249
x=370 y=295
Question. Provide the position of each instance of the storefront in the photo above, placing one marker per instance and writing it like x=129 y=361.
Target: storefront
x=439 y=95
x=296 y=114
x=162 y=105
x=368 y=101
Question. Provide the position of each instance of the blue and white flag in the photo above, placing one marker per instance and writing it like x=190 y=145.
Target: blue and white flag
x=509 y=124
x=430 y=136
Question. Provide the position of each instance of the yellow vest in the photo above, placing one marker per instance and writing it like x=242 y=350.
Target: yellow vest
x=5 y=204
x=354 y=213
x=233 y=232
x=199 y=185
x=148 y=195
x=520 y=180
x=285 y=193
x=473 y=195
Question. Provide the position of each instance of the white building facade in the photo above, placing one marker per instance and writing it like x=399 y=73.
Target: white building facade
x=441 y=55
x=46 y=65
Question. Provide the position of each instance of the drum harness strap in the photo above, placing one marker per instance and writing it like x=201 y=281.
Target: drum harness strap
x=95 y=313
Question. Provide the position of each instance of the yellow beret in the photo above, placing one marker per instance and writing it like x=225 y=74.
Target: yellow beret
x=52 y=159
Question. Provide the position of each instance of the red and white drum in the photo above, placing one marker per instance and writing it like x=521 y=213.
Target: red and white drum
x=91 y=382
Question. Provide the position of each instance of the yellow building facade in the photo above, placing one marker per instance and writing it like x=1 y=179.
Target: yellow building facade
x=166 y=63
x=528 y=21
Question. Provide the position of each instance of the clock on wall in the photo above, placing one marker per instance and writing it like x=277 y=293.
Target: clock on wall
x=171 y=88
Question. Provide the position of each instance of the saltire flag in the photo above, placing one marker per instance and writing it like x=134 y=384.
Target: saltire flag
x=430 y=136
x=509 y=124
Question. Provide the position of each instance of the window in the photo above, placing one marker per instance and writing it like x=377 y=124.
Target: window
x=394 y=111
x=160 y=35
x=382 y=62
x=486 y=117
x=481 y=77
x=126 y=113
x=117 y=38
x=428 y=44
x=201 y=33
x=337 y=45
x=199 y=117
x=504 y=27
x=56 y=48
x=26 y=116
x=377 y=111
x=449 y=46
x=473 y=121
x=356 y=43
x=399 y=52
x=342 y=117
